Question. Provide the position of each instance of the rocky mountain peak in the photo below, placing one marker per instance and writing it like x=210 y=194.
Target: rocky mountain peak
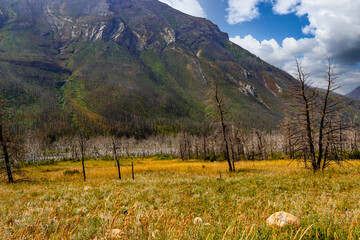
x=137 y=24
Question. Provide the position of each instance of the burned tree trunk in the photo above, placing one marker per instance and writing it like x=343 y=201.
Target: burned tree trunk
x=217 y=102
x=6 y=155
x=82 y=140
x=223 y=127
x=116 y=157
x=313 y=114
x=4 y=145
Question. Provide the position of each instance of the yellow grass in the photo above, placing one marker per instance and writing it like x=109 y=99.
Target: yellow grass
x=166 y=196
x=107 y=169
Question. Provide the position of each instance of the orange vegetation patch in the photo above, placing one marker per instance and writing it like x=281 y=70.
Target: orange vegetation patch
x=270 y=83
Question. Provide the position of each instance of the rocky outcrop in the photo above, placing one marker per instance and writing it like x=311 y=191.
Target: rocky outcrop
x=109 y=20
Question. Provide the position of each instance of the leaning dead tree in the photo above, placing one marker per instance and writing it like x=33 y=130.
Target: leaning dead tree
x=218 y=111
x=313 y=121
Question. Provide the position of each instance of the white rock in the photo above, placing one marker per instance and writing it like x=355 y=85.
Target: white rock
x=282 y=219
x=114 y=233
x=198 y=220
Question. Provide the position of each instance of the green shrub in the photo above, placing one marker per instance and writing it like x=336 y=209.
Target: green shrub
x=71 y=172
x=355 y=154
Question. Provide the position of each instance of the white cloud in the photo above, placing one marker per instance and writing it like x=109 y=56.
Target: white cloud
x=336 y=29
x=271 y=51
x=191 y=7
x=242 y=10
x=351 y=80
x=285 y=6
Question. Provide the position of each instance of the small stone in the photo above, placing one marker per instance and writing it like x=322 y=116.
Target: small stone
x=197 y=220
x=114 y=233
x=282 y=219
x=207 y=224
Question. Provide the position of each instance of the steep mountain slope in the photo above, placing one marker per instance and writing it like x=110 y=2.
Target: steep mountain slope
x=355 y=93
x=135 y=64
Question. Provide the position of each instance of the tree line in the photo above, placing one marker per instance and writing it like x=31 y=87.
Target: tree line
x=243 y=145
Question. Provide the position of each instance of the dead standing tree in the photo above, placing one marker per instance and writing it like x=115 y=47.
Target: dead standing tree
x=311 y=115
x=216 y=103
x=353 y=136
x=82 y=145
x=115 y=143
x=11 y=149
x=4 y=142
x=292 y=137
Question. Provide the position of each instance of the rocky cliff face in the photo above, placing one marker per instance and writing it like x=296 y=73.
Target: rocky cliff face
x=138 y=64
x=138 y=25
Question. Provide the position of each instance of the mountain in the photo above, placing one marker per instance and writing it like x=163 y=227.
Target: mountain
x=355 y=93
x=138 y=65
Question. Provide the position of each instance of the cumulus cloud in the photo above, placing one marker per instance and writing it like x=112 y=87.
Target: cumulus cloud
x=285 y=6
x=242 y=10
x=271 y=51
x=191 y=7
x=336 y=29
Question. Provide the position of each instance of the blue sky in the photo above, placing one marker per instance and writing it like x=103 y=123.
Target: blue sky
x=279 y=30
x=268 y=25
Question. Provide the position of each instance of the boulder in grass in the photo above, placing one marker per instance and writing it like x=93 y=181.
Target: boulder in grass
x=198 y=220
x=282 y=219
x=114 y=233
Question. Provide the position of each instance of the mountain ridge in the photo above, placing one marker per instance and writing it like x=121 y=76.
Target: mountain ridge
x=355 y=94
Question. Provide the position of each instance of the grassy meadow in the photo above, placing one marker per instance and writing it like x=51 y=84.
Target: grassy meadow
x=167 y=195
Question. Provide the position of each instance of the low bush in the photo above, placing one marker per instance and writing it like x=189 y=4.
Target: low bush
x=71 y=172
